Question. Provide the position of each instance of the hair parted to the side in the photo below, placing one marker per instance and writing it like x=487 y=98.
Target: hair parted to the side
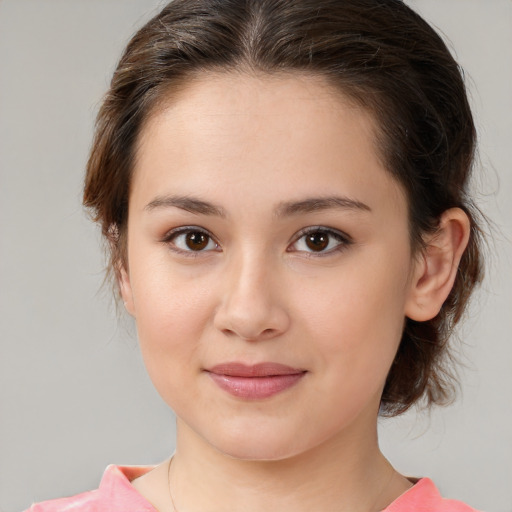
x=379 y=53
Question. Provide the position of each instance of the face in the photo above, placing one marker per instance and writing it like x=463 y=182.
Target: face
x=268 y=265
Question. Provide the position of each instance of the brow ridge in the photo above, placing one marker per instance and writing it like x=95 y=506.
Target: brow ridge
x=284 y=209
x=187 y=203
x=314 y=204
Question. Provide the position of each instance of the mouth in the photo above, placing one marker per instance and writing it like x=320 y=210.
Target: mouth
x=255 y=382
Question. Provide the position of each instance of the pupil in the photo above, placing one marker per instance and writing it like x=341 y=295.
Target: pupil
x=197 y=241
x=317 y=241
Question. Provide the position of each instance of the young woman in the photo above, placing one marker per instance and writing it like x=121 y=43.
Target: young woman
x=283 y=188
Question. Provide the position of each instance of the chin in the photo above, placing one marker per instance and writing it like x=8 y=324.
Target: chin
x=259 y=453
x=258 y=445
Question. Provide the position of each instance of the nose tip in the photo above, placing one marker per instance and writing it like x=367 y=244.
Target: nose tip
x=251 y=309
x=251 y=322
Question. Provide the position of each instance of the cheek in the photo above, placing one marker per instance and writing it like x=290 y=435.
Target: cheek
x=172 y=312
x=166 y=299
x=358 y=321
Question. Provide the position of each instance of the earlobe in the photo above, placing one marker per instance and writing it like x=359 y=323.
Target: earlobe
x=125 y=290
x=436 y=267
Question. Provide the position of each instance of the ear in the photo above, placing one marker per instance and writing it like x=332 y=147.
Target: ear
x=125 y=288
x=436 y=267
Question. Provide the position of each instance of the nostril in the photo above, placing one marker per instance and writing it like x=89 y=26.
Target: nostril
x=251 y=316
x=263 y=335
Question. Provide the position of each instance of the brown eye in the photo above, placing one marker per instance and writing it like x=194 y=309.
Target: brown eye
x=190 y=240
x=320 y=241
x=196 y=241
x=317 y=241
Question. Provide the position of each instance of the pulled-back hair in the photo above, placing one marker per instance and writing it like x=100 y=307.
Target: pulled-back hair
x=380 y=54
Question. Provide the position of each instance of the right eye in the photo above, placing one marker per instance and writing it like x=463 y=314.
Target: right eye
x=191 y=239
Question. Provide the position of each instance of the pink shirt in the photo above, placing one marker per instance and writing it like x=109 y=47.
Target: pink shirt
x=116 y=494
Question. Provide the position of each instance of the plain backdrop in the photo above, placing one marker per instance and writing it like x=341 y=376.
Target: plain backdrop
x=74 y=396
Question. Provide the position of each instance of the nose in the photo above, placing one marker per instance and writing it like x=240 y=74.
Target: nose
x=252 y=305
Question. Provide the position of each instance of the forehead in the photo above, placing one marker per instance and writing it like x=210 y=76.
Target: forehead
x=267 y=103
x=240 y=129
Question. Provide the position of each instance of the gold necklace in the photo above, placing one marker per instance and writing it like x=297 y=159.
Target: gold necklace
x=386 y=486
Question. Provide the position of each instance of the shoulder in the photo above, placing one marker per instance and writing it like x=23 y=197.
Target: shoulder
x=424 y=496
x=114 y=493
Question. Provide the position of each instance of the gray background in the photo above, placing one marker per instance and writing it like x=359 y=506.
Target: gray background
x=74 y=396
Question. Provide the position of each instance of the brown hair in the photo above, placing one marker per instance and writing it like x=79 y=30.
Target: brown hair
x=381 y=54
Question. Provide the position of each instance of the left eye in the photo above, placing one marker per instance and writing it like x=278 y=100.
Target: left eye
x=320 y=241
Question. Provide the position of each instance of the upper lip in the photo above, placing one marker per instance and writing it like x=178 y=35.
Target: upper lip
x=235 y=369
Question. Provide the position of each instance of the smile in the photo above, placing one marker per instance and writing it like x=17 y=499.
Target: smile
x=255 y=381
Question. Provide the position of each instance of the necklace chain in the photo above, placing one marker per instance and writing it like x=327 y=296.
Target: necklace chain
x=174 y=509
x=386 y=486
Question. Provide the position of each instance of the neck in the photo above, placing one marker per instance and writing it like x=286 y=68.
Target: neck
x=347 y=473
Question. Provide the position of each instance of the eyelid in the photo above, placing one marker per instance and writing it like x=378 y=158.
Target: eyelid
x=181 y=230
x=344 y=239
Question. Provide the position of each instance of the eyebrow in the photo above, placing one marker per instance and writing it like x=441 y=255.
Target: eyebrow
x=186 y=203
x=316 y=204
x=284 y=209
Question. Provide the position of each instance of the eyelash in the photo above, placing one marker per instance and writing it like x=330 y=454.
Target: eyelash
x=170 y=240
x=342 y=239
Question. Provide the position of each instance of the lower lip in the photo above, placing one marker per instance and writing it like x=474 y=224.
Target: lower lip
x=256 y=387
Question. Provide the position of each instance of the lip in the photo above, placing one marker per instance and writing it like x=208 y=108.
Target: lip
x=256 y=381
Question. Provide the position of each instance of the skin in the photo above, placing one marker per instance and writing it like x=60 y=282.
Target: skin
x=255 y=148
